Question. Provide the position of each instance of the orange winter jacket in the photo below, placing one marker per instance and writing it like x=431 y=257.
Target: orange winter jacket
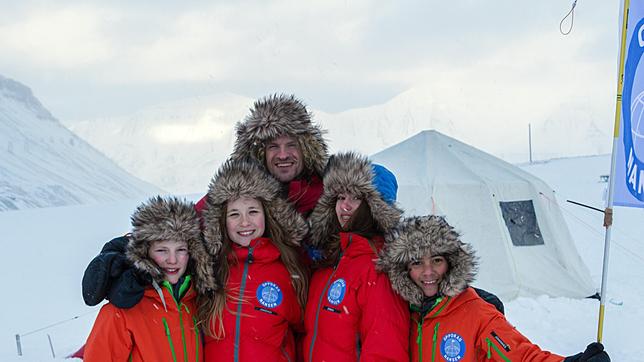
x=466 y=328
x=156 y=329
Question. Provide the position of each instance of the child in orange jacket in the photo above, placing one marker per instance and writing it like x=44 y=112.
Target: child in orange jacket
x=431 y=268
x=165 y=248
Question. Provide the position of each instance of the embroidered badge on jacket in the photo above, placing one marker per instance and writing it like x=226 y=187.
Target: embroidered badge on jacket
x=269 y=295
x=337 y=290
x=452 y=347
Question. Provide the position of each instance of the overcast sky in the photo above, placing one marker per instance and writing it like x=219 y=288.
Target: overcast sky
x=91 y=59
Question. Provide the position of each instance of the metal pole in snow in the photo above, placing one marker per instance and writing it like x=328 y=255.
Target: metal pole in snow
x=608 y=220
x=18 y=345
x=530 y=141
x=51 y=345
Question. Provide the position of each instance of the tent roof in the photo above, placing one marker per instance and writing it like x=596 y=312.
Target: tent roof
x=440 y=175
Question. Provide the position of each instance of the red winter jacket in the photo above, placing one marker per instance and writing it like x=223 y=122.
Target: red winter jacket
x=262 y=309
x=352 y=313
x=466 y=328
x=156 y=329
x=303 y=194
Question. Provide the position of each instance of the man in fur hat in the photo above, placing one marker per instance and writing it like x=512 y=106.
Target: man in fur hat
x=279 y=135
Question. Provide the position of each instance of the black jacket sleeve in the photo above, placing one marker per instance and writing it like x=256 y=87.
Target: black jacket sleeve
x=490 y=298
x=111 y=276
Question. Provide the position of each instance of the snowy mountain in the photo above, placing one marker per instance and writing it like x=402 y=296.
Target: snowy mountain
x=177 y=146
x=43 y=164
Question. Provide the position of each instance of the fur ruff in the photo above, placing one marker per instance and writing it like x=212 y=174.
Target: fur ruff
x=170 y=219
x=427 y=235
x=278 y=115
x=237 y=179
x=348 y=173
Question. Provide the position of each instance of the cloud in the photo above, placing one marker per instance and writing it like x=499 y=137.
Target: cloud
x=57 y=38
x=336 y=54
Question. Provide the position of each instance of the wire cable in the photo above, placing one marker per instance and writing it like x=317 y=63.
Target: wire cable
x=570 y=13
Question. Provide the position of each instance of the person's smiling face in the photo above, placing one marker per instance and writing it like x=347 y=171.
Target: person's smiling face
x=284 y=158
x=172 y=257
x=428 y=273
x=244 y=220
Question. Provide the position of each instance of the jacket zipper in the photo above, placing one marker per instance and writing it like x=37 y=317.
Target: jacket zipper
x=182 y=289
x=283 y=349
x=421 y=321
x=358 y=347
x=194 y=321
x=317 y=311
x=249 y=260
x=183 y=336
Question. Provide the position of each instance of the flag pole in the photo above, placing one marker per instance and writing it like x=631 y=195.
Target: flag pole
x=608 y=214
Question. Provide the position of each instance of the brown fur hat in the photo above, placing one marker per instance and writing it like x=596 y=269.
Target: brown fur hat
x=169 y=219
x=278 y=115
x=237 y=179
x=431 y=235
x=349 y=173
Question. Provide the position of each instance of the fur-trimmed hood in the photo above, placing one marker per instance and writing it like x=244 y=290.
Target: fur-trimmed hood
x=278 y=115
x=349 y=173
x=170 y=219
x=237 y=179
x=418 y=236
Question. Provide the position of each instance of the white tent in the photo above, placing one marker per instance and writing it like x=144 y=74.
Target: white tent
x=510 y=216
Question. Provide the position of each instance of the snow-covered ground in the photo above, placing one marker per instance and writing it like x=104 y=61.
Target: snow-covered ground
x=46 y=251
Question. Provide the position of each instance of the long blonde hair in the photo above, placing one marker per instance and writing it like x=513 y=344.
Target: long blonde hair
x=211 y=309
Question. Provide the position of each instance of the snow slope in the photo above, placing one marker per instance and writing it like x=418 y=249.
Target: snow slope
x=43 y=164
x=49 y=248
x=192 y=137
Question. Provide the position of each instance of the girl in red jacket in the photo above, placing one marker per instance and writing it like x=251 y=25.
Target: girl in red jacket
x=252 y=234
x=432 y=268
x=165 y=248
x=352 y=313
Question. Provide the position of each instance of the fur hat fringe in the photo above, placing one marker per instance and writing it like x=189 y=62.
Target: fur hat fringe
x=237 y=179
x=351 y=173
x=278 y=115
x=430 y=235
x=169 y=219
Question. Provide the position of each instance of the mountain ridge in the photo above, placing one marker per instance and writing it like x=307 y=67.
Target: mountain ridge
x=45 y=164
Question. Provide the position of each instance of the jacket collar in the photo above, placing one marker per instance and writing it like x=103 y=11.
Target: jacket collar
x=263 y=251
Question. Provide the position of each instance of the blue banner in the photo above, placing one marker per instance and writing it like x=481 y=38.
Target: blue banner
x=629 y=172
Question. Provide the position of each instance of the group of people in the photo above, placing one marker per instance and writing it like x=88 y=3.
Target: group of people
x=295 y=255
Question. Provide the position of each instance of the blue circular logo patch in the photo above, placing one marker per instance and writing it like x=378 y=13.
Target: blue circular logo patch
x=336 y=293
x=269 y=295
x=452 y=347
